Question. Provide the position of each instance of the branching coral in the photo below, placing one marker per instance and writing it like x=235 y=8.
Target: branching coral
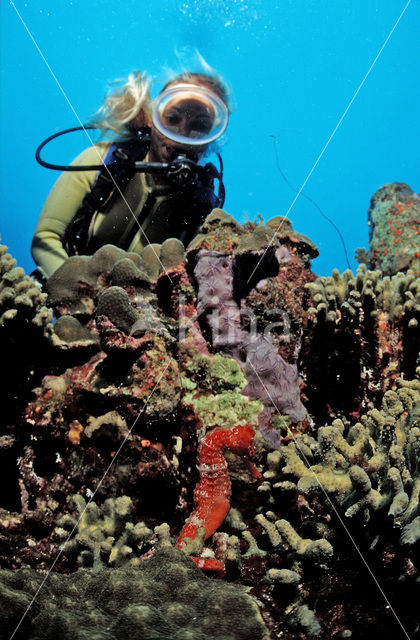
x=21 y=299
x=373 y=468
x=25 y=325
x=364 y=331
x=350 y=483
x=340 y=296
x=107 y=536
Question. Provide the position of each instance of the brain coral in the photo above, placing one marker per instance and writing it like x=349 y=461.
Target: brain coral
x=164 y=598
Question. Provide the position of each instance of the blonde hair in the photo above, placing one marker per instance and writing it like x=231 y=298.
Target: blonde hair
x=127 y=104
x=126 y=107
x=212 y=81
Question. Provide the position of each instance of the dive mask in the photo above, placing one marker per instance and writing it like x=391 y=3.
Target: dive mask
x=190 y=114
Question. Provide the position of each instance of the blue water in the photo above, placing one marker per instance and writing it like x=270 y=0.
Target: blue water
x=293 y=66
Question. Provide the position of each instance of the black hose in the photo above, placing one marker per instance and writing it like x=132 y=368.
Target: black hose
x=332 y=223
x=65 y=167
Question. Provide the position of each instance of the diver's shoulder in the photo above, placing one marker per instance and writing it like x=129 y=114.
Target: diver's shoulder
x=94 y=154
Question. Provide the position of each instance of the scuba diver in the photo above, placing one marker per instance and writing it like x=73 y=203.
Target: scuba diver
x=145 y=184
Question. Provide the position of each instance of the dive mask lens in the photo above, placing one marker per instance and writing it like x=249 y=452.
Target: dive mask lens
x=190 y=114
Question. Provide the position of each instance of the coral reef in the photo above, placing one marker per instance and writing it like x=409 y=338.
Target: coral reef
x=25 y=329
x=270 y=378
x=393 y=219
x=353 y=487
x=159 y=376
x=107 y=537
x=369 y=322
x=25 y=324
x=21 y=300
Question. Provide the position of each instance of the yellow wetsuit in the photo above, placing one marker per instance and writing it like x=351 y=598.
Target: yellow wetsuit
x=119 y=224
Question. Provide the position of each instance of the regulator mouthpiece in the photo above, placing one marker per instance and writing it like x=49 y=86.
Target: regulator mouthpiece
x=190 y=114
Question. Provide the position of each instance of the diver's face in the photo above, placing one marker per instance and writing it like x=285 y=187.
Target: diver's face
x=163 y=149
x=186 y=116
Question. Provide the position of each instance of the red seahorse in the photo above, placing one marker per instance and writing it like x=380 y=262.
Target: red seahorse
x=213 y=490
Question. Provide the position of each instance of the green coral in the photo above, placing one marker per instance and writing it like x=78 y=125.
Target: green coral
x=314 y=551
x=21 y=299
x=69 y=333
x=151 y=260
x=262 y=237
x=369 y=473
x=104 y=536
x=227 y=409
x=218 y=372
x=125 y=273
x=296 y=458
x=343 y=295
x=363 y=332
x=115 y=305
x=302 y=618
x=165 y=597
x=373 y=467
x=213 y=388
x=285 y=587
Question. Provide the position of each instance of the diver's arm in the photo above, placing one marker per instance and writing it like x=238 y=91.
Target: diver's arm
x=60 y=208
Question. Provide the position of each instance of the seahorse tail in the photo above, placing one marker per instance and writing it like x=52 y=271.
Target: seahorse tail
x=208 y=515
